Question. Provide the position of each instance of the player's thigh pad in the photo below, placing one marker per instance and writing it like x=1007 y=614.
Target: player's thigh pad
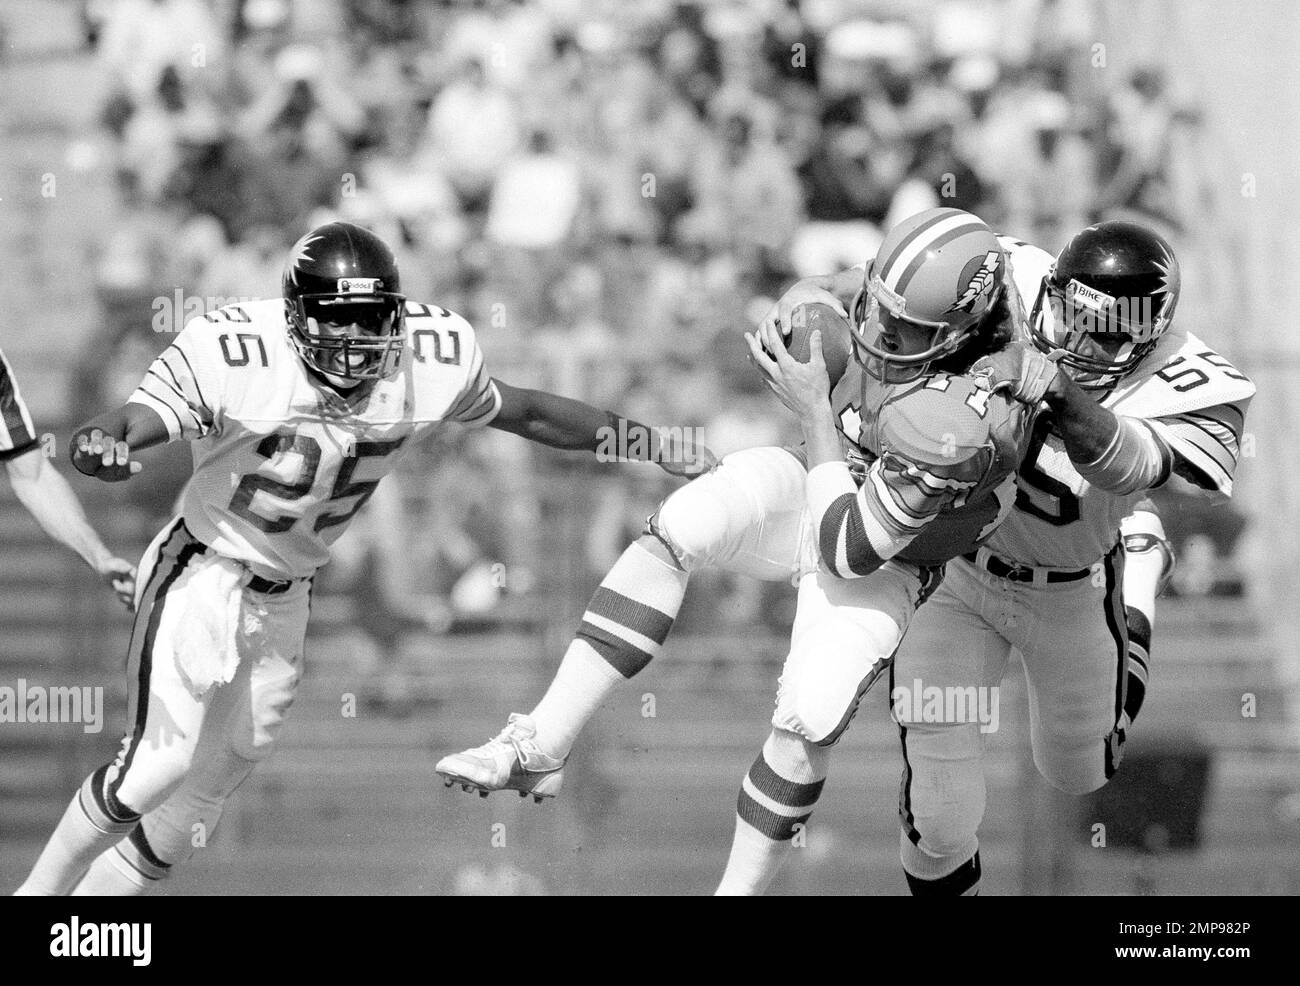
x=271 y=648
x=1076 y=667
x=949 y=650
x=746 y=516
x=845 y=631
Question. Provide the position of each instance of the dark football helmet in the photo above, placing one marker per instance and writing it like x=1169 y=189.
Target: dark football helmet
x=1106 y=302
x=344 y=277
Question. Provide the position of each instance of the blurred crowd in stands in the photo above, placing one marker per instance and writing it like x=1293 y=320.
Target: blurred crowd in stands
x=609 y=191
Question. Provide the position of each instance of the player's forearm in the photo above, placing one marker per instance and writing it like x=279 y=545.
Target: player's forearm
x=822 y=437
x=550 y=419
x=1085 y=426
x=51 y=501
x=840 y=522
x=1113 y=452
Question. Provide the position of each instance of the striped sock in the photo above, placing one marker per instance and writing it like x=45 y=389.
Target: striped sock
x=776 y=799
x=92 y=822
x=128 y=869
x=1139 y=660
x=964 y=881
x=626 y=623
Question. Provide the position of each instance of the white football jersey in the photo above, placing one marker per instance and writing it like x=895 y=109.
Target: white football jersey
x=1190 y=396
x=282 y=463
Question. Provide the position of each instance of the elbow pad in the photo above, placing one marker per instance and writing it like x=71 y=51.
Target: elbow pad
x=1134 y=460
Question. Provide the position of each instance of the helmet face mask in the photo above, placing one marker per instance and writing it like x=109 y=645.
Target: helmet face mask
x=345 y=311
x=366 y=341
x=1106 y=302
x=925 y=294
x=877 y=318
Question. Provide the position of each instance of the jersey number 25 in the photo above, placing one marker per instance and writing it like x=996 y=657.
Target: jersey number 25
x=286 y=442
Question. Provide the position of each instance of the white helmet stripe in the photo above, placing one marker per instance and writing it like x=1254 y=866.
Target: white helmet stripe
x=921 y=241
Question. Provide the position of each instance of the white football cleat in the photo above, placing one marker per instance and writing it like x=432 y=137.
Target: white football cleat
x=510 y=761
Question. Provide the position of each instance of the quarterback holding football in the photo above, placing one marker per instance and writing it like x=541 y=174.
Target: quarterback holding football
x=907 y=460
x=1070 y=578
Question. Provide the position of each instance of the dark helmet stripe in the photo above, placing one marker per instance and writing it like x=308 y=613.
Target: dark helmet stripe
x=942 y=240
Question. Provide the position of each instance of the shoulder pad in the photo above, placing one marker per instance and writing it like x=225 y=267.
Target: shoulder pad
x=940 y=422
x=1029 y=265
x=1182 y=374
x=432 y=330
x=247 y=315
x=424 y=316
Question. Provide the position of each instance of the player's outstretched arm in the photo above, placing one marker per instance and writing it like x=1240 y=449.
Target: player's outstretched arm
x=48 y=498
x=102 y=447
x=564 y=423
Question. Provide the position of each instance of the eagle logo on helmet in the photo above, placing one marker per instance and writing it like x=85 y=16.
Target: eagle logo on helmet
x=300 y=254
x=979 y=282
x=1171 y=277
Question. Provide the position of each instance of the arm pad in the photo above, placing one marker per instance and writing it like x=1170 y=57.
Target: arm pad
x=1134 y=460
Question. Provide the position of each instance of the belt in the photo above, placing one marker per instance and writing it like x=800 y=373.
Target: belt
x=268 y=587
x=1022 y=573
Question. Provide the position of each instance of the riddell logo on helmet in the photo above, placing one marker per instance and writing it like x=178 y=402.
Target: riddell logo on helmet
x=358 y=285
x=979 y=282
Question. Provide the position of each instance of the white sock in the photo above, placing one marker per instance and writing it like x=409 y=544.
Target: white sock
x=111 y=875
x=776 y=799
x=626 y=623
x=85 y=830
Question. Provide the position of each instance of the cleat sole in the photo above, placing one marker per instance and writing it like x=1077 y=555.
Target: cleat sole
x=467 y=785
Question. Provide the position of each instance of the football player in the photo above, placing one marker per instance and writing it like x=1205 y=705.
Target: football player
x=47 y=495
x=905 y=461
x=296 y=408
x=1070 y=578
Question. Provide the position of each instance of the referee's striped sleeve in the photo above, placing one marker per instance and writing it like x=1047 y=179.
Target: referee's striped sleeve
x=17 y=433
x=479 y=400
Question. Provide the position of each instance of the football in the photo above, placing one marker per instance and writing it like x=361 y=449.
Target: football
x=836 y=343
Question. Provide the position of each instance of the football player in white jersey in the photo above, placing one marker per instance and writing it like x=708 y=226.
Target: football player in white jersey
x=47 y=495
x=296 y=408
x=1070 y=577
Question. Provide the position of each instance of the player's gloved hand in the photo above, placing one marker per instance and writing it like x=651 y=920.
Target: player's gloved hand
x=1020 y=369
x=102 y=456
x=119 y=575
x=811 y=290
x=680 y=455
